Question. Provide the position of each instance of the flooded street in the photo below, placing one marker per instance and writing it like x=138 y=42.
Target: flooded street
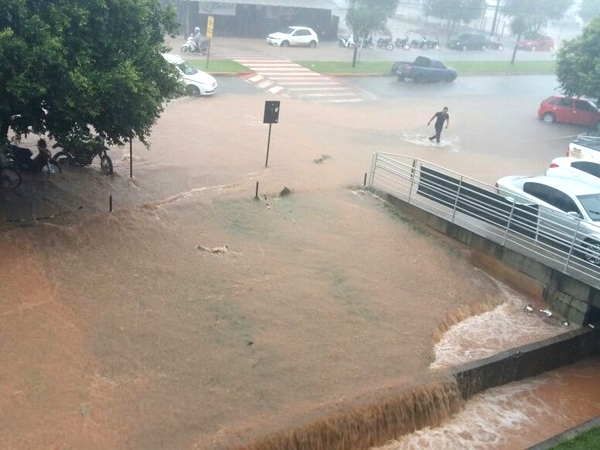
x=118 y=332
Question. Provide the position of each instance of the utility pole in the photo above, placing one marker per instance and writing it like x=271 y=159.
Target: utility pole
x=495 y=22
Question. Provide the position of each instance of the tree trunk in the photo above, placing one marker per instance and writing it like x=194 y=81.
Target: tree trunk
x=514 y=55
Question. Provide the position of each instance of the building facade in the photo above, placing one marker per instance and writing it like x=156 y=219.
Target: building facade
x=258 y=18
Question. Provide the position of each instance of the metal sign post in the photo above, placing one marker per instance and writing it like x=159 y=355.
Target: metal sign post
x=210 y=25
x=271 y=116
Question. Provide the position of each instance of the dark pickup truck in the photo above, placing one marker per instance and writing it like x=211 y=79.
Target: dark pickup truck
x=424 y=69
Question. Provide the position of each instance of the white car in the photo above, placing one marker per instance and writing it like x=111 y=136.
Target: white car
x=196 y=82
x=294 y=36
x=585 y=146
x=587 y=170
x=563 y=210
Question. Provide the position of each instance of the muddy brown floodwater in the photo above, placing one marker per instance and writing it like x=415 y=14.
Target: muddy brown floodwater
x=117 y=332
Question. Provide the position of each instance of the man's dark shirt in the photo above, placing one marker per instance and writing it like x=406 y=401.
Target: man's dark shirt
x=440 y=118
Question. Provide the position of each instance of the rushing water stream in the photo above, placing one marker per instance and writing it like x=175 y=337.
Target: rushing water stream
x=520 y=414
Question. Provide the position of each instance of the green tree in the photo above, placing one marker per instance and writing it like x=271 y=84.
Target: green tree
x=578 y=63
x=364 y=17
x=454 y=12
x=530 y=16
x=589 y=9
x=71 y=65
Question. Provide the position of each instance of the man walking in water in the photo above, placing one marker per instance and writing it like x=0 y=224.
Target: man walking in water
x=440 y=117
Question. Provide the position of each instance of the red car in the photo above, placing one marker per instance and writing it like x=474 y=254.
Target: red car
x=536 y=43
x=578 y=111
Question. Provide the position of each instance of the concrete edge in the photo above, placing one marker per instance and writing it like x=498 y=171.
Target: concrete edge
x=569 y=434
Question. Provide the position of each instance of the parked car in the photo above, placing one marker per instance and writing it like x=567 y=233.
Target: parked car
x=196 y=82
x=568 y=210
x=587 y=170
x=577 y=111
x=424 y=69
x=294 y=36
x=470 y=41
x=536 y=42
x=585 y=146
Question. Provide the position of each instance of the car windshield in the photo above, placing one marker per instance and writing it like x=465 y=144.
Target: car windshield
x=288 y=30
x=591 y=204
x=187 y=69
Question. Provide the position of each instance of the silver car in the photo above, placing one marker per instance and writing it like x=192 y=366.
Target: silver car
x=567 y=210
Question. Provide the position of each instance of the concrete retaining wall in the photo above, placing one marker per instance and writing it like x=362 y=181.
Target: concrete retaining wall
x=571 y=298
x=526 y=361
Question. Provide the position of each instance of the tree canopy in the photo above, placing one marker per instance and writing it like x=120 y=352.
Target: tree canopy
x=365 y=17
x=589 y=10
x=68 y=65
x=530 y=16
x=454 y=12
x=578 y=63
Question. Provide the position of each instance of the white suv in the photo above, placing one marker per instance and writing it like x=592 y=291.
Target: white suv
x=294 y=36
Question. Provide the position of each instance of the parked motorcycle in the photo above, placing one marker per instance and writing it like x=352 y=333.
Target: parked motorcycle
x=433 y=44
x=366 y=43
x=81 y=152
x=418 y=43
x=191 y=47
x=496 y=44
x=385 y=43
x=20 y=159
x=402 y=43
x=347 y=42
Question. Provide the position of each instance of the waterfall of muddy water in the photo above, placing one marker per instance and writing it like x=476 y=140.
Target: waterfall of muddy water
x=519 y=414
x=507 y=326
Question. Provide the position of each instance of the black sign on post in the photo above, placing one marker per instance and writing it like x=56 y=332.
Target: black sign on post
x=271 y=116
x=271 y=112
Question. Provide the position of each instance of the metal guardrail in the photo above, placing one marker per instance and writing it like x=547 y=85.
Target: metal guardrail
x=565 y=246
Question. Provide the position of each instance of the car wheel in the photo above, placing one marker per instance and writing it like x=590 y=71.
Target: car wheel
x=591 y=252
x=548 y=118
x=285 y=44
x=192 y=90
x=313 y=44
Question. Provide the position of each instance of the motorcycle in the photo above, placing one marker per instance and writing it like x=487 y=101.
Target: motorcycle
x=496 y=44
x=366 y=43
x=416 y=43
x=386 y=43
x=402 y=43
x=347 y=42
x=20 y=159
x=433 y=44
x=81 y=152
x=191 y=47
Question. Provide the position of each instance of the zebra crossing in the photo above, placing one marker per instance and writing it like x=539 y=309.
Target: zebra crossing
x=284 y=77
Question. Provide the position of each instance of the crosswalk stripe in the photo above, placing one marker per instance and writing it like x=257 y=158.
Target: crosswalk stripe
x=281 y=76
